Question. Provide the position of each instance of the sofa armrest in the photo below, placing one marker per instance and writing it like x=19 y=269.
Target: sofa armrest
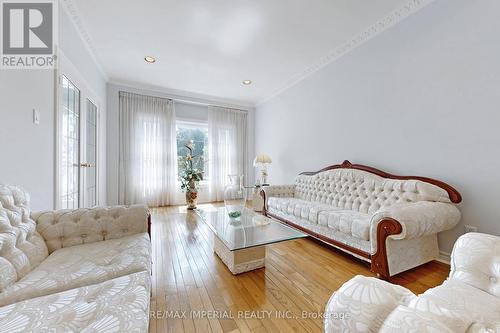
x=279 y=191
x=475 y=261
x=417 y=219
x=66 y=227
x=282 y=191
x=362 y=304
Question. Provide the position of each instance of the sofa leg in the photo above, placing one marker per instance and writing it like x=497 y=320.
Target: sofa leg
x=149 y=224
x=382 y=277
x=264 y=208
x=385 y=228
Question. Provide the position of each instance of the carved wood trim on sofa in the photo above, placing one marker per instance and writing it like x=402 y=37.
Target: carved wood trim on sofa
x=455 y=196
x=149 y=224
x=385 y=228
x=264 y=208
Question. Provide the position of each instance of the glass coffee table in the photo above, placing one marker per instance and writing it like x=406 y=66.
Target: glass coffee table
x=241 y=243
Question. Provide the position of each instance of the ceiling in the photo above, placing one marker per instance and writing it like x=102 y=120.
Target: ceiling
x=210 y=47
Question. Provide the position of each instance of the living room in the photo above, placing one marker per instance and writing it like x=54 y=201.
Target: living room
x=249 y=166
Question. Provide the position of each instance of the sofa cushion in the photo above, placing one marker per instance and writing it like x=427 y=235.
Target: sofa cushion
x=117 y=305
x=476 y=261
x=406 y=319
x=349 y=222
x=458 y=304
x=82 y=265
x=327 y=232
x=454 y=305
x=21 y=246
x=299 y=208
x=362 y=303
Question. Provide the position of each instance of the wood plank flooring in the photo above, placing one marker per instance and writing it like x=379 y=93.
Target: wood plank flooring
x=194 y=292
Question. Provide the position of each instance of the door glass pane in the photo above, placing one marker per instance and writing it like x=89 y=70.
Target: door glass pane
x=91 y=155
x=70 y=145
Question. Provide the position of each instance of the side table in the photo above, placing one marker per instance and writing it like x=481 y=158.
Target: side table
x=257 y=201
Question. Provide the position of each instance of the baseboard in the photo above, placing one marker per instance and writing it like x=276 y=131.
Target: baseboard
x=444 y=257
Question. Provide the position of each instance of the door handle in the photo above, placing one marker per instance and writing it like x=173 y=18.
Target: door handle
x=87 y=165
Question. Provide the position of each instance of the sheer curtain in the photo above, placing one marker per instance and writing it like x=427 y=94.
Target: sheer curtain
x=227 y=132
x=147 y=150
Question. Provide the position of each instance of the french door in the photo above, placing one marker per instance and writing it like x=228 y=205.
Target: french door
x=90 y=165
x=78 y=142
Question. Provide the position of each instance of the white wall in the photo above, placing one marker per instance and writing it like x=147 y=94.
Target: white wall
x=422 y=98
x=186 y=107
x=28 y=151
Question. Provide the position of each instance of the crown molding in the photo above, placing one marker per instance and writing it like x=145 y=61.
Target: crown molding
x=387 y=22
x=74 y=15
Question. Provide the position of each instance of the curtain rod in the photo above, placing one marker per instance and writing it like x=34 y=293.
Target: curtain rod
x=187 y=101
x=183 y=101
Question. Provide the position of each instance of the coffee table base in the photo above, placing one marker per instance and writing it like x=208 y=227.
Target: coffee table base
x=240 y=261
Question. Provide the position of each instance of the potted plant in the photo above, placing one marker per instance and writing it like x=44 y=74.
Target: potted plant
x=191 y=176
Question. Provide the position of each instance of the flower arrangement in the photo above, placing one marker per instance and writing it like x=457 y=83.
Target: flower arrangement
x=191 y=176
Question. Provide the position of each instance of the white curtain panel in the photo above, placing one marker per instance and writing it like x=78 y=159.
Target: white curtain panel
x=147 y=150
x=227 y=132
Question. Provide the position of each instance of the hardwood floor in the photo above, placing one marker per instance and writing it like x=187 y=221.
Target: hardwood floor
x=286 y=296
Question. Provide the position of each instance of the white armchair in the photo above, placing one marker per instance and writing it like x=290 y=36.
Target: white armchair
x=468 y=301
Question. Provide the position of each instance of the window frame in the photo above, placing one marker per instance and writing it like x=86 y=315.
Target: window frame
x=194 y=122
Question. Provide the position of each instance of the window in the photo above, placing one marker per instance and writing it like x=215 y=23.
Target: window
x=198 y=132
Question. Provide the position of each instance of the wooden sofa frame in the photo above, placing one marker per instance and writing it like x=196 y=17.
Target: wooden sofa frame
x=385 y=228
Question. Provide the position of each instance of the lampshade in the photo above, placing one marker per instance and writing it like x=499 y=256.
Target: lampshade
x=262 y=159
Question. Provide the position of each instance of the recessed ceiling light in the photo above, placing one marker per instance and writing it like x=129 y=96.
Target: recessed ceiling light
x=150 y=59
x=247 y=82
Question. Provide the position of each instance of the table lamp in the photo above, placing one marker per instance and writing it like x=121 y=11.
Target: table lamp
x=262 y=160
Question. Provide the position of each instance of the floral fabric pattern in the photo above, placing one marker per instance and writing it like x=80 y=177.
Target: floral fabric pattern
x=117 y=305
x=467 y=302
x=82 y=265
x=21 y=246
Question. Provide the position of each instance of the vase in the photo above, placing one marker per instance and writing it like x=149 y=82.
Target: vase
x=191 y=196
x=235 y=196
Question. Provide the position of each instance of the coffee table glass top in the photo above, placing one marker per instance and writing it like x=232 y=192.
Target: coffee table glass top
x=248 y=230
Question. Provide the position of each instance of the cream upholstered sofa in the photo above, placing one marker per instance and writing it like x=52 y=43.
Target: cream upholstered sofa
x=73 y=270
x=390 y=221
x=468 y=301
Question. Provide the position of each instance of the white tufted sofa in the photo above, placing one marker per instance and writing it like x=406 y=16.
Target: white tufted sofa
x=468 y=301
x=73 y=270
x=390 y=221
